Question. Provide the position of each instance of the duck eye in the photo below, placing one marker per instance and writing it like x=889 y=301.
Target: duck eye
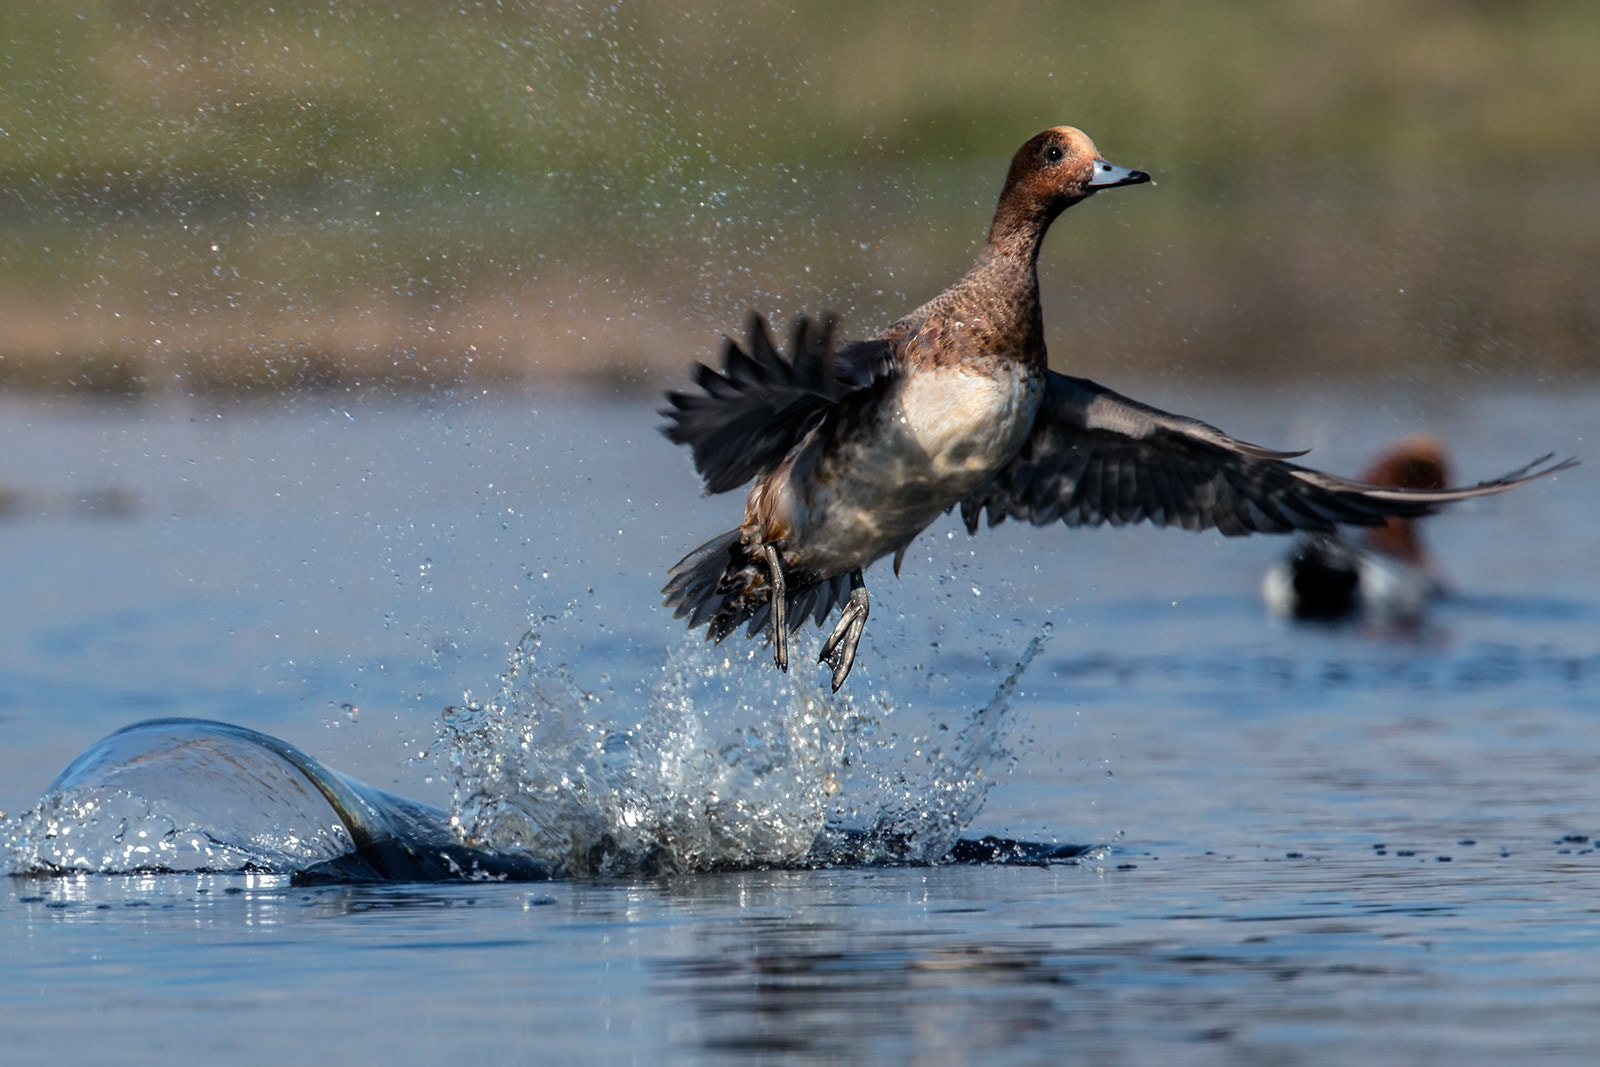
x=1054 y=154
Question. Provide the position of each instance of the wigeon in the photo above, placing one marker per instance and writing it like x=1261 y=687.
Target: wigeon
x=1383 y=570
x=857 y=448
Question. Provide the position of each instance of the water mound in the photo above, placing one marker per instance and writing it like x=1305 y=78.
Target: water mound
x=193 y=795
x=179 y=795
x=729 y=764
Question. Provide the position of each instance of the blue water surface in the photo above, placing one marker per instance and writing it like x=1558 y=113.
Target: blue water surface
x=1325 y=844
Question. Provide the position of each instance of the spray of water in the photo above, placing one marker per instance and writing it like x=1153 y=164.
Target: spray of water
x=721 y=763
x=728 y=764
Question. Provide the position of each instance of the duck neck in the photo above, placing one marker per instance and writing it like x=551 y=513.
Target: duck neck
x=1019 y=230
x=1004 y=287
x=1398 y=538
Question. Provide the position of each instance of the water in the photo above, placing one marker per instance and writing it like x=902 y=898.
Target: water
x=1323 y=844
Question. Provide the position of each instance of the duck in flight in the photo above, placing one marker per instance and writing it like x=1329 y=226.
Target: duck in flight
x=856 y=448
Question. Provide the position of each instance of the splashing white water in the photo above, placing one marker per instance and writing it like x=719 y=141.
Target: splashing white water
x=728 y=764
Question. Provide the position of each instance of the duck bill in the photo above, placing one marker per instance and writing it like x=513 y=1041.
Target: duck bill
x=1110 y=176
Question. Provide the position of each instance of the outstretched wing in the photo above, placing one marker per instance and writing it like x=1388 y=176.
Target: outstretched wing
x=1098 y=457
x=750 y=414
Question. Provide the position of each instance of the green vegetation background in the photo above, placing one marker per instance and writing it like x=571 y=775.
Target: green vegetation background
x=253 y=196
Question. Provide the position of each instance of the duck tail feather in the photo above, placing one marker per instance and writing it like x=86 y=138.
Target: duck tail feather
x=719 y=585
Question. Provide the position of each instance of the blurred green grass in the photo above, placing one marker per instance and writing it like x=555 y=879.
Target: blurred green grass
x=236 y=197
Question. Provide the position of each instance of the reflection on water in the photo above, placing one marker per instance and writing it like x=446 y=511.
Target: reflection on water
x=1201 y=957
x=772 y=986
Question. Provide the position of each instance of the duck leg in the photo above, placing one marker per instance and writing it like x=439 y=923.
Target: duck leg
x=780 y=604
x=839 y=651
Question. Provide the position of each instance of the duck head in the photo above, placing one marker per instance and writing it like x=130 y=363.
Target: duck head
x=1053 y=171
x=1417 y=462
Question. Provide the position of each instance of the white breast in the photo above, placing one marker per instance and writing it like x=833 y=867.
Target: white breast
x=935 y=440
x=965 y=424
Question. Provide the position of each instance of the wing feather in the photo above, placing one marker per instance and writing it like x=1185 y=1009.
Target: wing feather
x=749 y=415
x=1096 y=457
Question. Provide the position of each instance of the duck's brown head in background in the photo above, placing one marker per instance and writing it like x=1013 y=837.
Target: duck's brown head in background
x=1417 y=462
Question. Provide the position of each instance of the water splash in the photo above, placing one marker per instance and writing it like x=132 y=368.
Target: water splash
x=728 y=764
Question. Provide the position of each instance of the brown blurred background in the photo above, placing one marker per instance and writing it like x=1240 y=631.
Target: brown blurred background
x=232 y=197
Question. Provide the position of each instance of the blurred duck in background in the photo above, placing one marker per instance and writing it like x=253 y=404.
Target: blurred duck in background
x=1381 y=571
